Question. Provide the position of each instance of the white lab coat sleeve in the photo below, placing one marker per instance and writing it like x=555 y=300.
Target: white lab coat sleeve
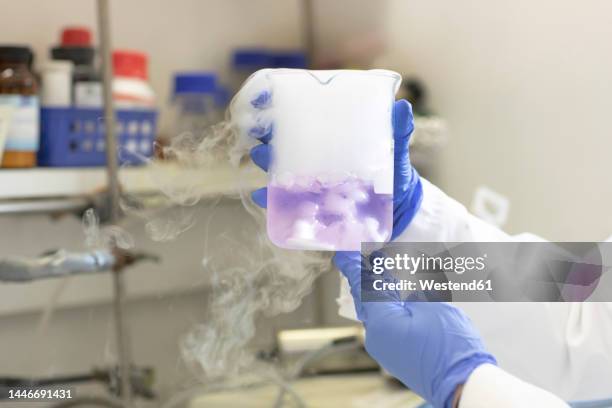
x=442 y=219
x=439 y=219
x=490 y=386
x=564 y=348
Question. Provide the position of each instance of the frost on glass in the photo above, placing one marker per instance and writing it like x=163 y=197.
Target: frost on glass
x=330 y=183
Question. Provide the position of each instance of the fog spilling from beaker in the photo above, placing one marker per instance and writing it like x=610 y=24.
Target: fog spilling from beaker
x=260 y=280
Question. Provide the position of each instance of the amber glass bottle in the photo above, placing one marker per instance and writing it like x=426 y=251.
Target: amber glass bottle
x=19 y=90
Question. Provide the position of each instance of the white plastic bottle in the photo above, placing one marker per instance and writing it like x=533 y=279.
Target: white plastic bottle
x=131 y=89
x=330 y=183
x=56 y=91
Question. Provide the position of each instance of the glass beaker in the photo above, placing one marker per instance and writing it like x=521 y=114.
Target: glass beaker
x=330 y=184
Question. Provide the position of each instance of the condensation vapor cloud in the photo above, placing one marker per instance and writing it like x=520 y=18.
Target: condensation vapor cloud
x=262 y=280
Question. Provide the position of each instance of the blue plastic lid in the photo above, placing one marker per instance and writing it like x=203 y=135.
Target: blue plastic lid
x=195 y=82
x=251 y=58
x=289 y=59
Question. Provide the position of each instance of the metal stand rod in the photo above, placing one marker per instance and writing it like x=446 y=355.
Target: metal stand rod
x=123 y=341
x=309 y=31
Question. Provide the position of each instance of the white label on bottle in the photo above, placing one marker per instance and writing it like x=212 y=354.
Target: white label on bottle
x=5 y=119
x=88 y=94
x=23 y=131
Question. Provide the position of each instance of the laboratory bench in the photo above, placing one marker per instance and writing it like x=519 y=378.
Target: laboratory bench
x=365 y=390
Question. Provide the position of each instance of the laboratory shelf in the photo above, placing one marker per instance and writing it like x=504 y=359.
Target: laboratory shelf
x=74 y=182
x=44 y=191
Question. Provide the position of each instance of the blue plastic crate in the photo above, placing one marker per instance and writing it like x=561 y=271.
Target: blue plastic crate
x=72 y=137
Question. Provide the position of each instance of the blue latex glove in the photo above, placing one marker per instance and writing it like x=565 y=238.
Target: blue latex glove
x=407 y=190
x=430 y=347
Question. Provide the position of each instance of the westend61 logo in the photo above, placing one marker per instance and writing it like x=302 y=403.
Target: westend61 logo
x=486 y=271
x=424 y=263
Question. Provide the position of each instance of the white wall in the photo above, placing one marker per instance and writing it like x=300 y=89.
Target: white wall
x=525 y=86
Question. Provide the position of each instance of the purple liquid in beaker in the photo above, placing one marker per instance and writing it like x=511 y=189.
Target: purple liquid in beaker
x=333 y=216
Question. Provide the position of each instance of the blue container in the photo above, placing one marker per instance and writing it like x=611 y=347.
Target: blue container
x=195 y=94
x=195 y=82
x=289 y=59
x=72 y=137
x=251 y=59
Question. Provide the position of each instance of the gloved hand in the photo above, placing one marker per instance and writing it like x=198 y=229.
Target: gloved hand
x=407 y=190
x=430 y=347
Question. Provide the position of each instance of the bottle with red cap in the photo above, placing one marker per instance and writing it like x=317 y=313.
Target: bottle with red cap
x=131 y=88
x=76 y=47
x=76 y=37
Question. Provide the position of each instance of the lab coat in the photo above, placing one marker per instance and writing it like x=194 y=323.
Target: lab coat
x=564 y=348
